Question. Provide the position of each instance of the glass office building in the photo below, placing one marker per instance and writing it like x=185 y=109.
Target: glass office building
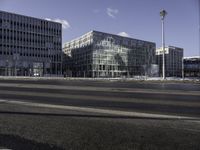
x=173 y=61
x=192 y=66
x=98 y=54
x=29 y=46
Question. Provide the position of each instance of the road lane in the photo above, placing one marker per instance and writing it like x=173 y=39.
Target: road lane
x=90 y=94
x=113 y=97
x=99 y=111
x=107 y=83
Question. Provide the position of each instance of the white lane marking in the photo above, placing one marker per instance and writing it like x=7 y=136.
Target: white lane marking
x=97 y=110
x=1 y=100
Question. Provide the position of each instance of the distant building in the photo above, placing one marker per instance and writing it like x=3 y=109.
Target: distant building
x=29 y=46
x=173 y=61
x=98 y=54
x=192 y=66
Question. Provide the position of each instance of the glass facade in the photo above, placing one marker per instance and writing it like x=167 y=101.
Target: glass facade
x=192 y=67
x=98 y=54
x=26 y=41
x=173 y=61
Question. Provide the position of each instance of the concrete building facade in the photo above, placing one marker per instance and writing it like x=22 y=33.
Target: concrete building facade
x=173 y=61
x=192 y=66
x=29 y=46
x=98 y=54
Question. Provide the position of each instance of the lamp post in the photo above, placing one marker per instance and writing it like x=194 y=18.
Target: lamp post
x=182 y=67
x=7 y=65
x=199 y=33
x=163 y=13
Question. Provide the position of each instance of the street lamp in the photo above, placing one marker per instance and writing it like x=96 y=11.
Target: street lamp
x=7 y=65
x=163 y=13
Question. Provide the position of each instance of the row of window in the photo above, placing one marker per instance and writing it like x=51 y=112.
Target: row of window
x=24 y=41
x=23 y=21
x=28 y=35
x=54 y=57
x=34 y=30
x=106 y=46
x=98 y=37
x=30 y=46
x=20 y=43
x=108 y=68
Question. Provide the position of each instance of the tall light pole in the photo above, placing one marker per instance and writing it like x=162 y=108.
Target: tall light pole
x=199 y=30
x=163 y=13
x=199 y=26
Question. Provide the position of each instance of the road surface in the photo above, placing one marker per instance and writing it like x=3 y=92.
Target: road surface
x=85 y=114
x=159 y=98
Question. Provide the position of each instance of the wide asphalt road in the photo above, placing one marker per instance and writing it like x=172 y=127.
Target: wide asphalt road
x=182 y=99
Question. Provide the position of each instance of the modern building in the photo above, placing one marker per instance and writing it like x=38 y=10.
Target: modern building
x=173 y=61
x=192 y=66
x=29 y=46
x=98 y=54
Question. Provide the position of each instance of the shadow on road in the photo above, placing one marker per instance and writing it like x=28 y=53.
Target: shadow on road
x=17 y=143
x=93 y=116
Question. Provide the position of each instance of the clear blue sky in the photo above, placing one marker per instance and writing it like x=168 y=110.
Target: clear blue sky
x=138 y=18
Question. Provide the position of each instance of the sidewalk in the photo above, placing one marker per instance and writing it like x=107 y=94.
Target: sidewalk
x=137 y=78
